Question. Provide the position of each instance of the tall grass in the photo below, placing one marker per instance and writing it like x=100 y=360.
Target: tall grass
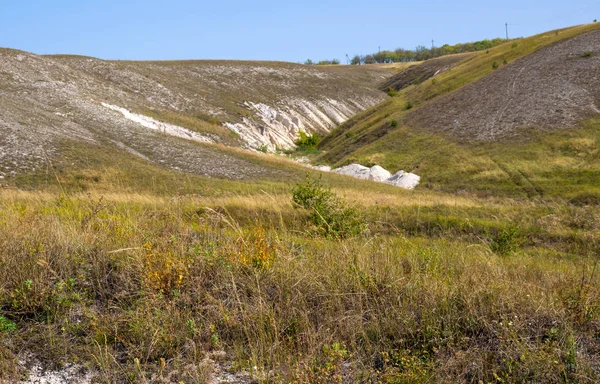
x=148 y=289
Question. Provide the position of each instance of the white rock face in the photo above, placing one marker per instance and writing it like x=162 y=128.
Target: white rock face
x=379 y=174
x=169 y=129
x=278 y=126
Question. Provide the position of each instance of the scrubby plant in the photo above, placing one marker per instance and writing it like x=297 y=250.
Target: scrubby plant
x=495 y=65
x=307 y=142
x=587 y=54
x=408 y=105
x=7 y=325
x=394 y=123
x=331 y=216
x=506 y=242
x=263 y=148
x=392 y=92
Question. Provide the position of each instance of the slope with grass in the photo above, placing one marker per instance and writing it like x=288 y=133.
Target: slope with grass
x=159 y=110
x=528 y=124
x=265 y=103
x=129 y=255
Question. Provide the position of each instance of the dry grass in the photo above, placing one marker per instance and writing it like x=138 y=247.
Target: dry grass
x=144 y=288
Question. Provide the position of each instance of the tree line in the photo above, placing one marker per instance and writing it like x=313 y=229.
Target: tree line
x=420 y=53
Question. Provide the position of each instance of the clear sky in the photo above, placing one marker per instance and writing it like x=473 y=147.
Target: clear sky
x=270 y=29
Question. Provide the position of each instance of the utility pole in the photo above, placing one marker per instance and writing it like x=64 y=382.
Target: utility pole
x=432 y=44
x=347 y=59
x=506 y=31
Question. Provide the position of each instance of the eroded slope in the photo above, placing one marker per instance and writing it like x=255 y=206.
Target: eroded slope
x=555 y=87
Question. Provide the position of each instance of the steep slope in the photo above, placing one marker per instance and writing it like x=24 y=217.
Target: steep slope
x=169 y=113
x=555 y=87
x=522 y=116
x=265 y=103
x=47 y=106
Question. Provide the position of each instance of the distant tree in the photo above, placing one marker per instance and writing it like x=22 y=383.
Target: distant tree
x=356 y=60
x=369 y=59
x=308 y=62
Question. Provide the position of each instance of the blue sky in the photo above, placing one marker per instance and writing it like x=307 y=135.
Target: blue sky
x=269 y=29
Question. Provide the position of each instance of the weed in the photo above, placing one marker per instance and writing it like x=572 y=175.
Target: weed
x=588 y=54
x=507 y=241
x=307 y=142
x=394 y=123
x=330 y=215
x=408 y=106
x=7 y=325
x=495 y=65
x=263 y=148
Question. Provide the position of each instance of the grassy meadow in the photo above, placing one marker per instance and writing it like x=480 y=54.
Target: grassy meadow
x=145 y=275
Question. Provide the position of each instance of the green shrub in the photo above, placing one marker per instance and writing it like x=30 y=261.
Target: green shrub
x=7 y=325
x=408 y=105
x=506 y=242
x=392 y=92
x=263 y=148
x=505 y=62
x=307 y=142
x=394 y=123
x=495 y=65
x=329 y=214
x=587 y=54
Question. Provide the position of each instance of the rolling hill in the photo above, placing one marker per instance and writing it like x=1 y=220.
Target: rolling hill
x=145 y=239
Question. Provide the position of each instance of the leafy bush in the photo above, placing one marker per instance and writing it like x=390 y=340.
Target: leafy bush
x=506 y=242
x=408 y=106
x=307 y=142
x=330 y=215
x=6 y=325
x=392 y=92
x=394 y=123
x=495 y=65
x=588 y=54
x=263 y=148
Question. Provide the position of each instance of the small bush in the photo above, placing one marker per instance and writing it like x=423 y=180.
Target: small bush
x=263 y=148
x=330 y=215
x=392 y=92
x=394 y=123
x=495 y=65
x=587 y=54
x=506 y=242
x=505 y=62
x=408 y=106
x=7 y=325
x=307 y=142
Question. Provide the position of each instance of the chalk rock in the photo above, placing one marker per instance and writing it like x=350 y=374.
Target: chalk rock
x=404 y=180
x=323 y=168
x=379 y=174
x=354 y=170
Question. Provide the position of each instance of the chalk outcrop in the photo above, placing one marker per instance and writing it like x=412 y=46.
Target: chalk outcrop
x=379 y=174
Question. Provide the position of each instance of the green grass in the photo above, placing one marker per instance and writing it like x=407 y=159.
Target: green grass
x=561 y=164
x=147 y=285
x=486 y=273
x=372 y=134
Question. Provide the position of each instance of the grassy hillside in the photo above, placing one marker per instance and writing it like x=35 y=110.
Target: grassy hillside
x=396 y=135
x=143 y=258
x=146 y=275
